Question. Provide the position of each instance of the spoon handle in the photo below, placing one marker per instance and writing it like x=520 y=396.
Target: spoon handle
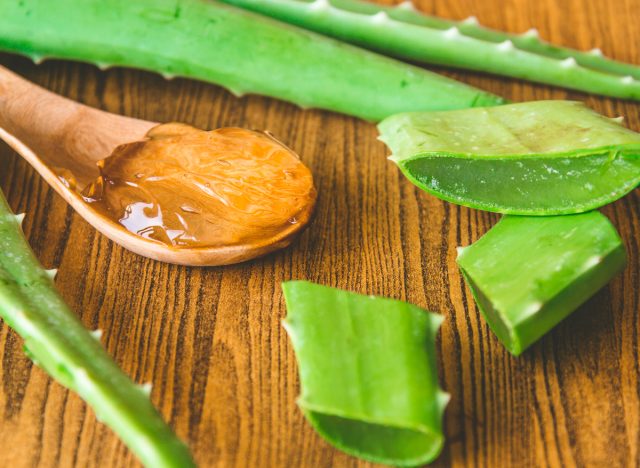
x=61 y=132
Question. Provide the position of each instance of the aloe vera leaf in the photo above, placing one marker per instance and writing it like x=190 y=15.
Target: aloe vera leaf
x=245 y=52
x=539 y=158
x=368 y=373
x=404 y=32
x=528 y=273
x=56 y=340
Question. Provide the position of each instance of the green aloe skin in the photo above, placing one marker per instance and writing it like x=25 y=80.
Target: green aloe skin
x=242 y=51
x=529 y=273
x=368 y=373
x=57 y=341
x=538 y=158
x=404 y=32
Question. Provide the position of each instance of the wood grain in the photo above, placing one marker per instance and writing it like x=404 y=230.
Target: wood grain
x=210 y=340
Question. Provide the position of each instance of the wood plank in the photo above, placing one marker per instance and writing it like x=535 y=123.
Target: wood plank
x=210 y=340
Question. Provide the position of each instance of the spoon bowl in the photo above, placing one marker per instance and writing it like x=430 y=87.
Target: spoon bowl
x=55 y=134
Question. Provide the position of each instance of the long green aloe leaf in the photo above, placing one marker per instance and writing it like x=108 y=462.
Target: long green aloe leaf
x=56 y=340
x=529 y=273
x=537 y=158
x=245 y=52
x=368 y=373
x=404 y=32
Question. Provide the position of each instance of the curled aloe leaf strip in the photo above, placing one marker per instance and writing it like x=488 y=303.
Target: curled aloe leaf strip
x=368 y=373
x=539 y=158
x=242 y=51
x=404 y=32
x=56 y=341
x=529 y=273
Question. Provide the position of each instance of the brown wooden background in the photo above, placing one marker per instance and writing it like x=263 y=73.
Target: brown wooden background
x=210 y=340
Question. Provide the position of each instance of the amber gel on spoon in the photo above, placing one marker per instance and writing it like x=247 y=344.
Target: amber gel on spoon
x=189 y=188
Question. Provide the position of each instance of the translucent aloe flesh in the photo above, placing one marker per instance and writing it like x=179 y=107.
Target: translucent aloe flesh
x=368 y=373
x=56 y=341
x=537 y=158
x=529 y=273
x=245 y=52
x=404 y=32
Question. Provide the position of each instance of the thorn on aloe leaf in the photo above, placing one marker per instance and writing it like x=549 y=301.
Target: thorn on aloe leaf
x=569 y=62
x=532 y=33
x=37 y=59
x=596 y=51
x=452 y=33
x=30 y=355
x=619 y=120
x=471 y=20
x=380 y=18
x=20 y=218
x=51 y=273
x=627 y=79
x=97 y=333
x=168 y=76
x=102 y=66
x=506 y=46
x=237 y=93
x=146 y=388
x=320 y=5
x=407 y=5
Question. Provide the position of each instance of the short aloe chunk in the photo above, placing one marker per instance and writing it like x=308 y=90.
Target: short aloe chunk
x=536 y=158
x=528 y=273
x=368 y=373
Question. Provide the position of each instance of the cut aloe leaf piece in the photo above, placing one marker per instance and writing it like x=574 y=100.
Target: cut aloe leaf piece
x=368 y=373
x=538 y=158
x=528 y=273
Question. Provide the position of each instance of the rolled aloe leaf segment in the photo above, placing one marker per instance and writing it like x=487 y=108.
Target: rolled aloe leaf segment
x=368 y=373
x=529 y=273
x=56 y=341
x=404 y=32
x=245 y=52
x=536 y=158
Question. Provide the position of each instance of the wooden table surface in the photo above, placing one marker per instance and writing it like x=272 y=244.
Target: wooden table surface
x=210 y=339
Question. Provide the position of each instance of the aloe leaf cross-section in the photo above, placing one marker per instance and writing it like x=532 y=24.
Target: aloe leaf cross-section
x=528 y=273
x=538 y=158
x=368 y=373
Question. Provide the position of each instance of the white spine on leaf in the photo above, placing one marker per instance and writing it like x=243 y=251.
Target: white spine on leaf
x=452 y=33
x=569 y=62
x=146 y=388
x=471 y=20
x=52 y=273
x=627 y=79
x=506 y=46
x=320 y=5
x=20 y=218
x=407 y=5
x=380 y=18
x=532 y=33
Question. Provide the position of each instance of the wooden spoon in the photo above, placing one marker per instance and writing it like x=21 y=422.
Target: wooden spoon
x=50 y=131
